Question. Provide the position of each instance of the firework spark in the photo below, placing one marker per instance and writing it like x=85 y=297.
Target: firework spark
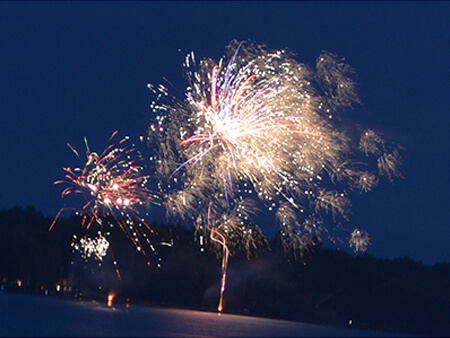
x=113 y=185
x=359 y=240
x=97 y=247
x=258 y=129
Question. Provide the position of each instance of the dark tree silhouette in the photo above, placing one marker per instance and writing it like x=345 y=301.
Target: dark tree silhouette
x=321 y=285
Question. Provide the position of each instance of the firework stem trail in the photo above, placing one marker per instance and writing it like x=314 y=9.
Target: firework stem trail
x=225 y=254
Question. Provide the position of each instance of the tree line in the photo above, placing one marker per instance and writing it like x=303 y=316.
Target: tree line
x=325 y=286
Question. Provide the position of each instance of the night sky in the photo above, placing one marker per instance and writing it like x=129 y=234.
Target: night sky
x=70 y=70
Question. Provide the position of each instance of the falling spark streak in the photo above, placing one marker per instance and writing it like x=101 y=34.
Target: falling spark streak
x=112 y=185
x=222 y=241
x=259 y=131
x=225 y=254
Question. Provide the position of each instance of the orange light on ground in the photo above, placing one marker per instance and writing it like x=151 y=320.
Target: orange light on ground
x=110 y=299
x=19 y=283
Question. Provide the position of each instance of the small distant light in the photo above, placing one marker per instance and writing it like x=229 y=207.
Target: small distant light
x=58 y=287
x=350 y=322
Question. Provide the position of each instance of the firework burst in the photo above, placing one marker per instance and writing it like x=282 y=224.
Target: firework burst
x=91 y=247
x=112 y=184
x=258 y=129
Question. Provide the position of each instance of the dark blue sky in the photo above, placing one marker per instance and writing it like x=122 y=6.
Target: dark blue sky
x=75 y=69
